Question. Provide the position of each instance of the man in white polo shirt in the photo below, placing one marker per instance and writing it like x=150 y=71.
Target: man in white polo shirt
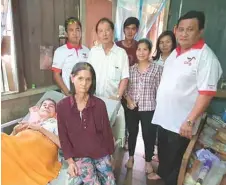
x=110 y=63
x=66 y=56
x=189 y=82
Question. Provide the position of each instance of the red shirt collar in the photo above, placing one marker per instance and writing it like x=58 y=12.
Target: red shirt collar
x=90 y=103
x=70 y=46
x=198 y=45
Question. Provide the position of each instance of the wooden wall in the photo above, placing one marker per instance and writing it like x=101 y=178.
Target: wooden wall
x=99 y=8
x=37 y=23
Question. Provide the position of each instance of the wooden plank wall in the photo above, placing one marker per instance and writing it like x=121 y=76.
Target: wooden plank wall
x=39 y=25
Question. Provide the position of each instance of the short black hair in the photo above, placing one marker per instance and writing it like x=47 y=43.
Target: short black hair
x=131 y=20
x=104 y=19
x=83 y=66
x=200 y=16
x=147 y=42
x=48 y=99
x=71 y=20
x=163 y=34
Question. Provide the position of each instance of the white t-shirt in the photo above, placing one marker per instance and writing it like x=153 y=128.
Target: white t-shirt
x=110 y=69
x=184 y=77
x=64 y=60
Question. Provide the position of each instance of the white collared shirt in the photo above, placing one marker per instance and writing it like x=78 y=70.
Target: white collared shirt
x=110 y=69
x=160 y=61
x=184 y=77
x=64 y=60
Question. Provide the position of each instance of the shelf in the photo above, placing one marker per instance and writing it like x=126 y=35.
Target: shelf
x=221 y=93
x=207 y=136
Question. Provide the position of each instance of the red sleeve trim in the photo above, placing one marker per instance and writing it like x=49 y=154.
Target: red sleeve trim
x=208 y=93
x=56 y=70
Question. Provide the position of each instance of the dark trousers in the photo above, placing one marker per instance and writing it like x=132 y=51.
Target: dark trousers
x=124 y=104
x=171 y=148
x=148 y=131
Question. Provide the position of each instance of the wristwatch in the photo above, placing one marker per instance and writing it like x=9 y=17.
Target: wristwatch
x=118 y=96
x=190 y=123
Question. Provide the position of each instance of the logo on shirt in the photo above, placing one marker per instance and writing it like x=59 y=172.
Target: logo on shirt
x=189 y=61
x=84 y=55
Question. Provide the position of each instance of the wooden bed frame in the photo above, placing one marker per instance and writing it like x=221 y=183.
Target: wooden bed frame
x=188 y=152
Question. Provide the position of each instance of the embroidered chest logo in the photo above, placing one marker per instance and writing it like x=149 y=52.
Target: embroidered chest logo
x=84 y=55
x=189 y=60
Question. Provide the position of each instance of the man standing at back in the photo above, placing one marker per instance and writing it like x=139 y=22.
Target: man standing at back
x=110 y=63
x=130 y=28
x=189 y=82
x=66 y=56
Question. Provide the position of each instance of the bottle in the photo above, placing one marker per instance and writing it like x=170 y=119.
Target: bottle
x=203 y=172
x=33 y=86
x=216 y=173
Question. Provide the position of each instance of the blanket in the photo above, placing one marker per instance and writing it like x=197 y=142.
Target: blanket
x=28 y=158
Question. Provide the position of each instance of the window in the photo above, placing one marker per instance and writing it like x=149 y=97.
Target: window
x=9 y=78
x=157 y=28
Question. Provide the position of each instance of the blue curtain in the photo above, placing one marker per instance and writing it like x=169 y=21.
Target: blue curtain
x=146 y=11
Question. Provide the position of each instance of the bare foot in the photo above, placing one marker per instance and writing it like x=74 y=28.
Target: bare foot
x=148 y=167
x=153 y=176
x=130 y=163
x=155 y=158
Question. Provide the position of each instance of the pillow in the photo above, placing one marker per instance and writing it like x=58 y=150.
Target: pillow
x=34 y=115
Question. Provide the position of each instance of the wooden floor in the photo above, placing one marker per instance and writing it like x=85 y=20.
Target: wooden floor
x=135 y=176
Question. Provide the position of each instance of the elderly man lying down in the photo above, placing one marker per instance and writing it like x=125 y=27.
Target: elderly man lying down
x=30 y=153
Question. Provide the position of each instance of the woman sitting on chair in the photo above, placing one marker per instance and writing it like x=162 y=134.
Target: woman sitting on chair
x=30 y=153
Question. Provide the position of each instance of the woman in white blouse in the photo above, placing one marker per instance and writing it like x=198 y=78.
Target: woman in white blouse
x=166 y=43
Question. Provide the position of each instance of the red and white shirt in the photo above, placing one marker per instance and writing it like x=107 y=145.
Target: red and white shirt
x=65 y=57
x=142 y=87
x=184 y=77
